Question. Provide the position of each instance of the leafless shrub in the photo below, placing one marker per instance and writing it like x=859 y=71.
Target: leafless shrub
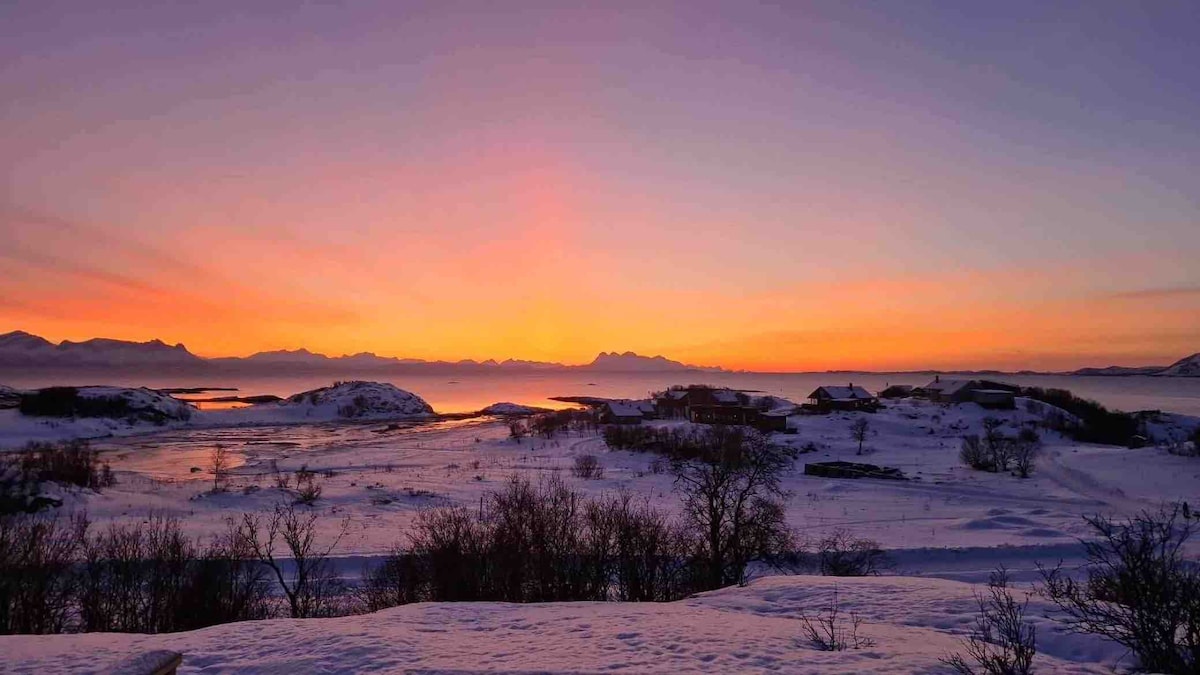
x=135 y=576
x=840 y=554
x=308 y=490
x=307 y=580
x=1141 y=591
x=832 y=631
x=1001 y=642
x=517 y=430
x=1025 y=450
x=975 y=455
x=588 y=467
x=283 y=480
x=37 y=576
x=659 y=465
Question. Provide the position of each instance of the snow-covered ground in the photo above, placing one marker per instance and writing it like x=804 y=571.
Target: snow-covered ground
x=911 y=622
x=947 y=522
x=382 y=474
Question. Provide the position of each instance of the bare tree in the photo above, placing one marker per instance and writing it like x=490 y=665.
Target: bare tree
x=858 y=431
x=1002 y=642
x=1141 y=591
x=587 y=467
x=517 y=430
x=731 y=498
x=307 y=579
x=219 y=467
x=1026 y=448
x=38 y=582
x=841 y=555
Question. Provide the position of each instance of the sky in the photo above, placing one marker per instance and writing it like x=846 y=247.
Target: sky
x=780 y=187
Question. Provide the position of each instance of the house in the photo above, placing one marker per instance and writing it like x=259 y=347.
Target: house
x=949 y=391
x=842 y=398
x=994 y=398
x=620 y=412
x=897 y=391
x=678 y=403
x=647 y=407
x=672 y=404
x=984 y=392
x=708 y=413
x=774 y=420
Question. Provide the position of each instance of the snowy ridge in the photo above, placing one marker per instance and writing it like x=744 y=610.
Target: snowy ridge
x=913 y=622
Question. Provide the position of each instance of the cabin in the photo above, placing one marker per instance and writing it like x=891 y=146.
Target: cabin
x=773 y=420
x=707 y=413
x=897 y=391
x=986 y=393
x=949 y=391
x=619 y=412
x=678 y=403
x=994 y=398
x=649 y=412
x=672 y=404
x=850 y=397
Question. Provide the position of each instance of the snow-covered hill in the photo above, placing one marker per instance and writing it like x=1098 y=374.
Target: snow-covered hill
x=359 y=399
x=143 y=410
x=1185 y=367
x=912 y=622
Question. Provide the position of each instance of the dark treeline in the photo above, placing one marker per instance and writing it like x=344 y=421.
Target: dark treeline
x=525 y=543
x=1098 y=424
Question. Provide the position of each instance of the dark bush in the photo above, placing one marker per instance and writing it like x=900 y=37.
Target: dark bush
x=842 y=555
x=1098 y=423
x=1140 y=590
x=70 y=463
x=307 y=578
x=729 y=484
x=1002 y=642
x=587 y=467
x=38 y=580
x=542 y=543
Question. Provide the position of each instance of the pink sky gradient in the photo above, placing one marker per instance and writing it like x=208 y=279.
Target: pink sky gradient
x=816 y=186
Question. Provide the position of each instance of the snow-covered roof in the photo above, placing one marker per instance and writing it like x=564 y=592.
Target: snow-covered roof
x=644 y=406
x=621 y=409
x=948 y=387
x=725 y=396
x=850 y=393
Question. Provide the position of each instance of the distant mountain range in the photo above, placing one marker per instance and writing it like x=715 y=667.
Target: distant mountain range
x=1188 y=366
x=19 y=349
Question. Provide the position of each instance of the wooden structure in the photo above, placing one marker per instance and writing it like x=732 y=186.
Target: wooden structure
x=852 y=470
x=619 y=412
x=842 y=398
x=986 y=393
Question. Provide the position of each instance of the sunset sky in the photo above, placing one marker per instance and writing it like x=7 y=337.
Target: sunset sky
x=807 y=186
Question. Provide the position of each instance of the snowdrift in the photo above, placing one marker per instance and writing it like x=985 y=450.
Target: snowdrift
x=911 y=621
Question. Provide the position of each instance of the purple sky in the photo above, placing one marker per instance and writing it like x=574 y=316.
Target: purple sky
x=751 y=185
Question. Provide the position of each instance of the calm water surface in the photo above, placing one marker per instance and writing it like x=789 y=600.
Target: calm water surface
x=469 y=392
